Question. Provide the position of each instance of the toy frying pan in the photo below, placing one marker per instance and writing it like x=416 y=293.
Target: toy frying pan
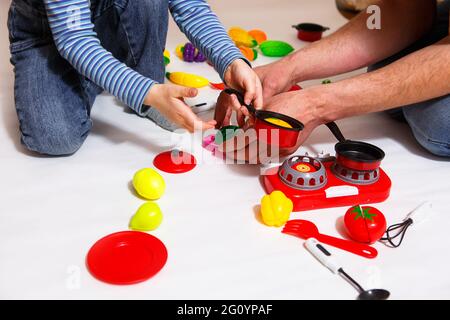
x=356 y=155
x=310 y=31
x=267 y=121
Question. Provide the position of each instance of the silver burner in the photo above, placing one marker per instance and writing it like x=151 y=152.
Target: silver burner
x=303 y=180
x=354 y=176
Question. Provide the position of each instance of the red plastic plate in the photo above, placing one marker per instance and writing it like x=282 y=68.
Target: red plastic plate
x=126 y=257
x=180 y=162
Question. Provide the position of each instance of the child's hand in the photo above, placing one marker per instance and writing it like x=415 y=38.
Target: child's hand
x=241 y=77
x=168 y=100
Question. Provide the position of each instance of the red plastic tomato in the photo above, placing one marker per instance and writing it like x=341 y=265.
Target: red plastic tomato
x=365 y=224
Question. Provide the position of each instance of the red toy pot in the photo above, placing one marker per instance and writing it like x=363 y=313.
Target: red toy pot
x=283 y=137
x=309 y=32
x=355 y=155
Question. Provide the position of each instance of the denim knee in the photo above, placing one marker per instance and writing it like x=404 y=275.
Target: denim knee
x=430 y=124
x=57 y=140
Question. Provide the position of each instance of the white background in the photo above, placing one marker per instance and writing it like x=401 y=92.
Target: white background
x=53 y=209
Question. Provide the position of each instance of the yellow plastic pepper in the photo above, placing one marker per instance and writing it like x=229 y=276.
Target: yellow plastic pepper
x=187 y=79
x=242 y=38
x=276 y=209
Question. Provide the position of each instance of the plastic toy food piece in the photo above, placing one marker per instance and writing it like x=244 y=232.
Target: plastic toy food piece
x=273 y=48
x=179 y=51
x=295 y=87
x=259 y=35
x=149 y=184
x=365 y=224
x=275 y=209
x=249 y=53
x=309 y=31
x=278 y=122
x=166 y=57
x=147 y=218
x=175 y=161
x=241 y=37
x=126 y=257
x=188 y=53
x=217 y=86
x=187 y=79
x=225 y=134
x=326 y=81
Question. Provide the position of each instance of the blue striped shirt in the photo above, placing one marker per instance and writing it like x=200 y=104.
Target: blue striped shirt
x=76 y=40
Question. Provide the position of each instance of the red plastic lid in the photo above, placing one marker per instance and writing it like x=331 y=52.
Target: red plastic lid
x=175 y=161
x=126 y=257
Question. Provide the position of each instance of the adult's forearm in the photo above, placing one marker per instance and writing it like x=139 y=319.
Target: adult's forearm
x=354 y=45
x=420 y=76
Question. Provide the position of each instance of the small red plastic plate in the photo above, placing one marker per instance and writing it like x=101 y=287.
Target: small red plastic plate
x=126 y=257
x=175 y=161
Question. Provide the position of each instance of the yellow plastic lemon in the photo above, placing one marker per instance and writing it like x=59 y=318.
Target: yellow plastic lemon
x=147 y=218
x=278 y=122
x=149 y=184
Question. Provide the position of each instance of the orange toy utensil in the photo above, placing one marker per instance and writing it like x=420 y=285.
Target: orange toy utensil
x=305 y=229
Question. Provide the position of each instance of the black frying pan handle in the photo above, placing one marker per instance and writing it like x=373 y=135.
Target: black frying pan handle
x=240 y=97
x=336 y=131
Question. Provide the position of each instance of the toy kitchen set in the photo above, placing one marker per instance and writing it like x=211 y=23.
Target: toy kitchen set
x=351 y=177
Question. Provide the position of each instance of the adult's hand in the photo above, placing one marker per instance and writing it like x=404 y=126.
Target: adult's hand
x=275 y=77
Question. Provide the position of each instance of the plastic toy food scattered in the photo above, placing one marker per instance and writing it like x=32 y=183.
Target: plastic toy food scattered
x=259 y=35
x=249 y=53
x=242 y=37
x=273 y=48
x=225 y=134
x=217 y=86
x=179 y=51
x=365 y=224
x=275 y=209
x=187 y=79
x=149 y=184
x=166 y=57
x=147 y=218
x=278 y=122
x=189 y=53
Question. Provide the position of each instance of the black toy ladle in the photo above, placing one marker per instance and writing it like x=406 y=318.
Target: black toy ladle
x=372 y=294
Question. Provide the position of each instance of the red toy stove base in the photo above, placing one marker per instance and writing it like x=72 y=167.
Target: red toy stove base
x=336 y=193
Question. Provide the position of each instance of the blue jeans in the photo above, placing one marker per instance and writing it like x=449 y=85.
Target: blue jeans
x=428 y=120
x=53 y=101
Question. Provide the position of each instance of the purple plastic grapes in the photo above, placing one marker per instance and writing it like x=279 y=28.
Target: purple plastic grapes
x=189 y=52
x=199 y=57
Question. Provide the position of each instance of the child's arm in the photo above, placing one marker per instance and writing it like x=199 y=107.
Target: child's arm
x=203 y=29
x=74 y=36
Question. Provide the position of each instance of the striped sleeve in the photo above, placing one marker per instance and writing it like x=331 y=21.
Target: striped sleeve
x=203 y=29
x=76 y=40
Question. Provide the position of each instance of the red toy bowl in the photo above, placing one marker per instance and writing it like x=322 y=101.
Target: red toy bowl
x=310 y=32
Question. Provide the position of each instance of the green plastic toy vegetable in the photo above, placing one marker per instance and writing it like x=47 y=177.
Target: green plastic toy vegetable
x=274 y=48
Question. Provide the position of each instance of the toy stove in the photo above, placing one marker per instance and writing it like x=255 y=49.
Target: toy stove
x=321 y=182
